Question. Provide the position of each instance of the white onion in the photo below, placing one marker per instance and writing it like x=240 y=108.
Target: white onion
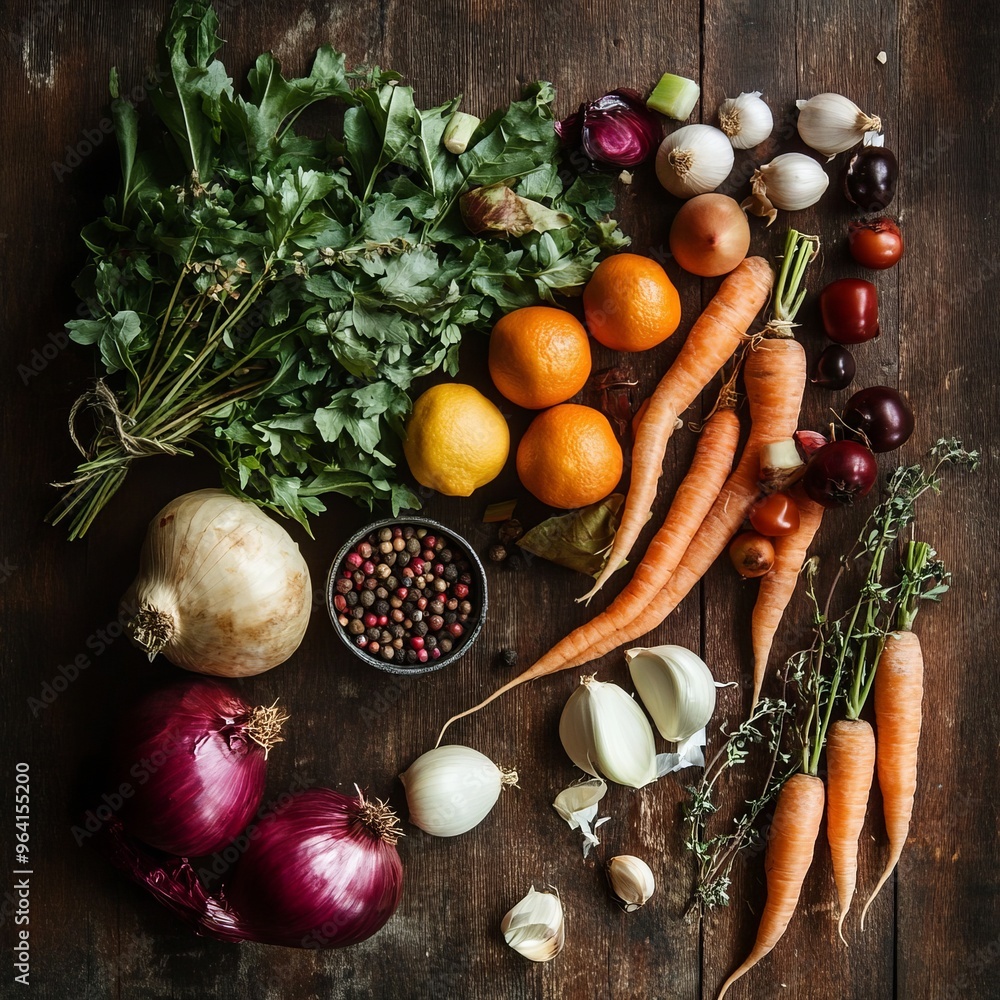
x=222 y=588
x=694 y=160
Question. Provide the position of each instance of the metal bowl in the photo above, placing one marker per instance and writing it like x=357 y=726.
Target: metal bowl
x=477 y=595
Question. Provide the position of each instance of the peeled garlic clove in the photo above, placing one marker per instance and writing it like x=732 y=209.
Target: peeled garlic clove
x=631 y=881
x=676 y=687
x=791 y=181
x=694 y=160
x=831 y=123
x=535 y=927
x=746 y=120
x=605 y=733
x=451 y=789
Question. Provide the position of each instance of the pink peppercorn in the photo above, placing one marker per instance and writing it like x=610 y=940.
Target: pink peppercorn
x=422 y=656
x=417 y=641
x=383 y=620
x=435 y=623
x=370 y=620
x=455 y=629
x=417 y=565
x=368 y=567
x=430 y=541
x=353 y=560
x=435 y=653
x=460 y=590
x=422 y=603
x=340 y=602
x=402 y=593
x=438 y=569
x=428 y=555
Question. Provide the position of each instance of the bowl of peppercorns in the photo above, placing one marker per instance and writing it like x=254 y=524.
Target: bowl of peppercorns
x=407 y=596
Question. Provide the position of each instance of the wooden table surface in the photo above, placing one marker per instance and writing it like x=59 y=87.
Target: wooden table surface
x=934 y=933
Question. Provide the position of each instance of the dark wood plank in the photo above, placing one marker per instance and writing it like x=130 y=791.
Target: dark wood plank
x=97 y=936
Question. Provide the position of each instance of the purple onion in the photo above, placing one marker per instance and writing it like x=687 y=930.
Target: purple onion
x=193 y=758
x=617 y=130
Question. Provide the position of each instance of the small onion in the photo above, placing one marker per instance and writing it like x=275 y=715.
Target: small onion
x=710 y=235
x=222 y=588
x=193 y=756
x=617 y=130
x=746 y=120
x=451 y=789
x=693 y=160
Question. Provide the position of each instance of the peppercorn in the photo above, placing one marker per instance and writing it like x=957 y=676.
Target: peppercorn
x=372 y=633
x=436 y=607
x=385 y=636
x=389 y=559
x=365 y=550
x=412 y=546
x=397 y=644
x=352 y=598
x=441 y=586
x=422 y=603
x=361 y=641
x=421 y=532
x=461 y=590
x=430 y=641
x=358 y=613
x=353 y=560
x=397 y=631
x=395 y=602
x=435 y=623
x=417 y=642
x=507 y=658
x=403 y=559
x=397 y=532
x=397 y=615
x=465 y=578
x=385 y=548
x=340 y=602
x=398 y=544
x=382 y=571
x=371 y=583
x=411 y=656
x=450 y=618
x=445 y=645
x=420 y=629
x=381 y=593
x=344 y=585
x=373 y=647
x=408 y=531
x=456 y=629
x=367 y=598
x=465 y=608
x=452 y=604
x=385 y=535
x=382 y=607
x=451 y=572
x=343 y=619
x=388 y=653
x=498 y=553
x=400 y=656
x=445 y=555
x=510 y=531
x=355 y=626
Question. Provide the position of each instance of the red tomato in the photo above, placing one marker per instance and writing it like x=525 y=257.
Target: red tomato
x=875 y=243
x=752 y=555
x=775 y=515
x=850 y=310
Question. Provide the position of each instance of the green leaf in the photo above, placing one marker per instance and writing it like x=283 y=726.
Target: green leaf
x=116 y=340
x=578 y=540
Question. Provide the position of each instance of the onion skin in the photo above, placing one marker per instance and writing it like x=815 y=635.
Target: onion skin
x=710 y=235
x=222 y=588
x=317 y=876
x=196 y=774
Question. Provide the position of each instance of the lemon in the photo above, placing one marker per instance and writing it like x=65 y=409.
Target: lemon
x=456 y=439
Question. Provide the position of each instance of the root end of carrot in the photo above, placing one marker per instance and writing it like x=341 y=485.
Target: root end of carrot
x=840 y=929
x=889 y=869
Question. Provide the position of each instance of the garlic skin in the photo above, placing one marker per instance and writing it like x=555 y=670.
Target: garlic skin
x=605 y=733
x=535 y=926
x=222 y=588
x=746 y=120
x=832 y=123
x=676 y=687
x=451 y=789
x=791 y=181
x=631 y=881
x=694 y=160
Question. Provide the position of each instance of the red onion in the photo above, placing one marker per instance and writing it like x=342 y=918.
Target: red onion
x=616 y=130
x=193 y=757
x=319 y=872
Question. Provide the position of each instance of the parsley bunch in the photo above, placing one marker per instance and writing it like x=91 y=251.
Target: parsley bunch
x=268 y=297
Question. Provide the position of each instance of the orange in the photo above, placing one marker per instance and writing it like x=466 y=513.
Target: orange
x=539 y=356
x=569 y=456
x=630 y=303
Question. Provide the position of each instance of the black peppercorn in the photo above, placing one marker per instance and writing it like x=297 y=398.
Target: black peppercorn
x=507 y=658
x=445 y=555
x=367 y=598
x=352 y=599
x=372 y=633
x=397 y=631
x=381 y=608
x=403 y=559
x=498 y=553
x=420 y=628
x=355 y=626
x=357 y=613
x=451 y=572
x=430 y=642
x=450 y=618
x=411 y=656
x=445 y=645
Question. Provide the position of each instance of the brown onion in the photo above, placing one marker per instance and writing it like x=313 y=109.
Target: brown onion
x=710 y=235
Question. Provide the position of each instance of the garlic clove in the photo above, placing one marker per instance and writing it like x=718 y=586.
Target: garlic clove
x=746 y=120
x=453 y=788
x=535 y=926
x=832 y=123
x=791 y=181
x=694 y=160
x=605 y=732
x=577 y=805
x=631 y=881
x=676 y=687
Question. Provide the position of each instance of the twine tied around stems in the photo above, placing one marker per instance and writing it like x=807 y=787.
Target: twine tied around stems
x=114 y=423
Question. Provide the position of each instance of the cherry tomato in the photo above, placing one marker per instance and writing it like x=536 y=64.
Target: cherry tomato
x=752 y=554
x=849 y=307
x=775 y=515
x=875 y=243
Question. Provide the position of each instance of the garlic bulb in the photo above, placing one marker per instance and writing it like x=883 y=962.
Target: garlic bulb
x=222 y=588
x=676 y=687
x=604 y=730
x=631 y=881
x=535 y=926
x=831 y=124
x=746 y=120
x=694 y=160
x=791 y=181
x=451 y=789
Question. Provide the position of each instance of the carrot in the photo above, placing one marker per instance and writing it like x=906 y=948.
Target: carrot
x=777 y=587
x=712 y=462
x=850 y=764
x=899 y=691
x=774 y=374
x=714 y=337
x=790 y=846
